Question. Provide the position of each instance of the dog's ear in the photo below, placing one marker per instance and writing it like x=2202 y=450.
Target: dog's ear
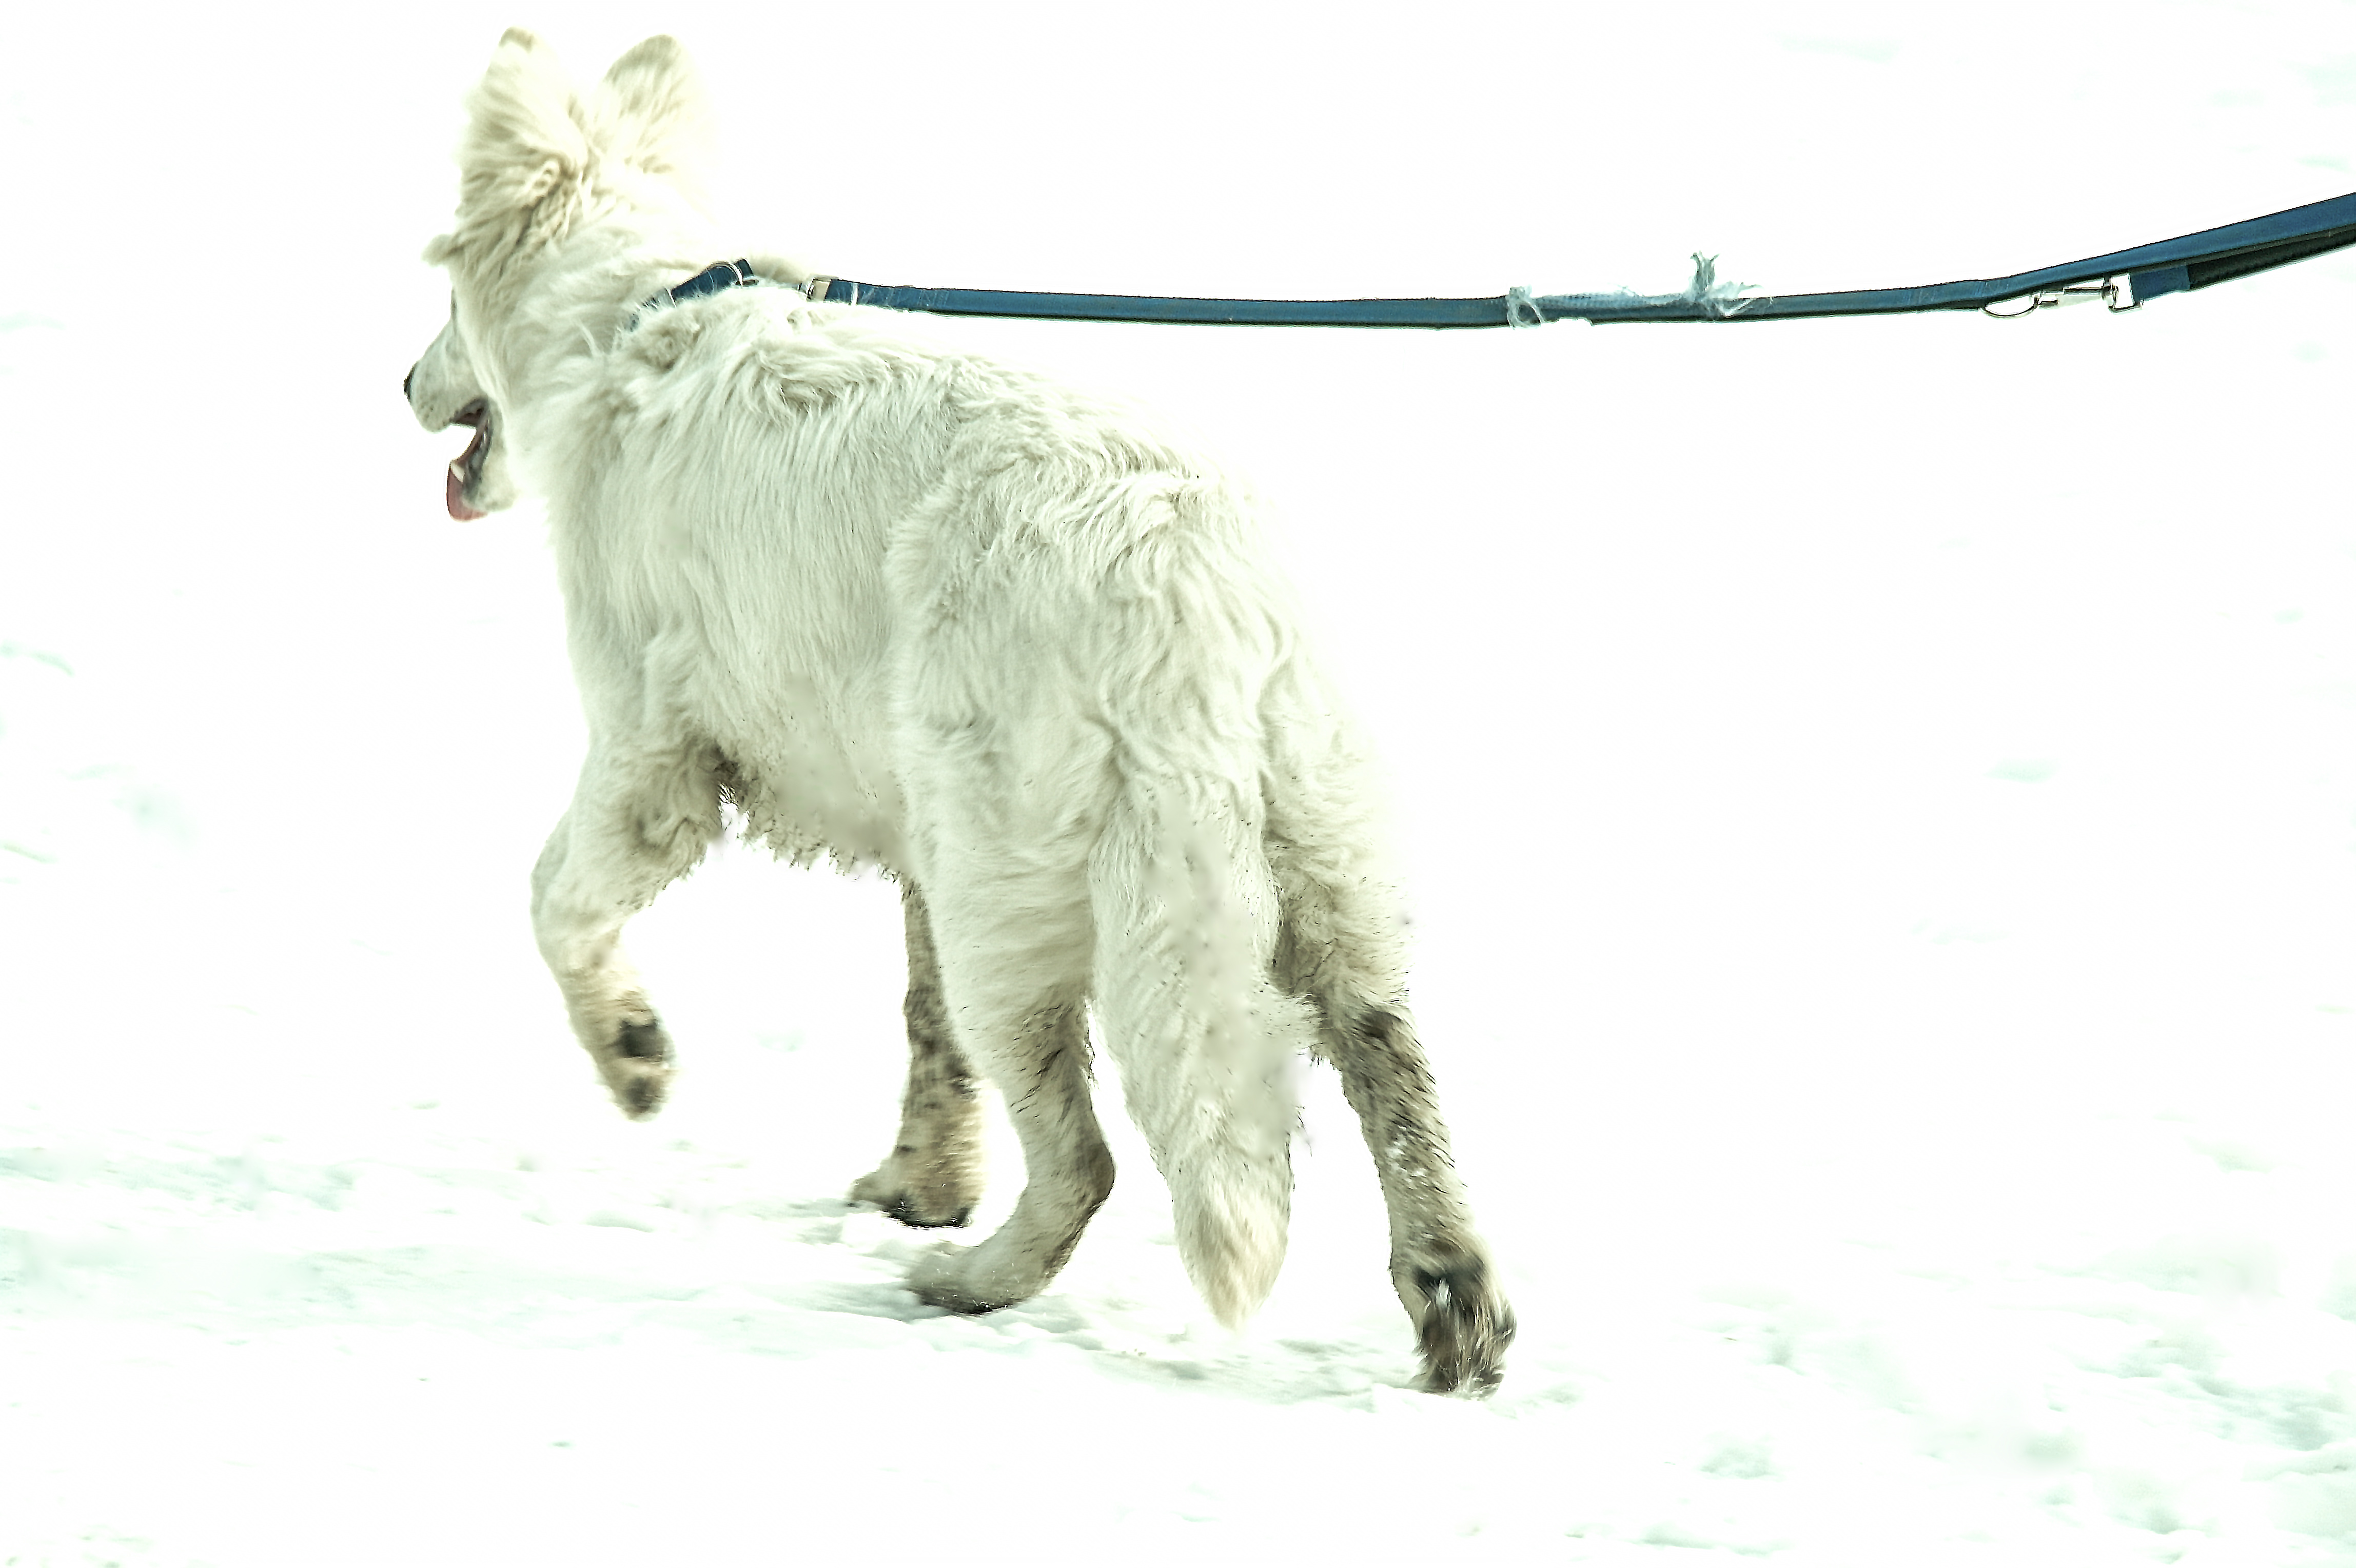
x=523 y=135
x=651 y=114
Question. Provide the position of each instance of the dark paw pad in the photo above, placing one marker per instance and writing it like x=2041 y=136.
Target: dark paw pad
x=635 y=1065
x=642 y=1096
x=906 y=1211
x=643 y=1042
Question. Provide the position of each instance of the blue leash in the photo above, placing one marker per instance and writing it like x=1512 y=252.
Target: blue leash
x=2121 y=280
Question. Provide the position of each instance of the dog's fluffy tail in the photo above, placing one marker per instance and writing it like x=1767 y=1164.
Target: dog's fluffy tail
x=1186 y=916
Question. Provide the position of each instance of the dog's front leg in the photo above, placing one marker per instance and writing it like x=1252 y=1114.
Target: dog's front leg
x=933 y=1174
x=637 y=821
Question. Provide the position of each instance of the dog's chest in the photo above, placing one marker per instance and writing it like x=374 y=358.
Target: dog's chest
x=740 y=645
x=808 y=769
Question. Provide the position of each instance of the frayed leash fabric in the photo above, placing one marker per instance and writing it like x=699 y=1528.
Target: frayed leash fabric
x=2123 y=279
x=711 y=280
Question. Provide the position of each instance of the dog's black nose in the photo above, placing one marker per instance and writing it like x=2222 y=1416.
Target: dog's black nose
x=406 y=379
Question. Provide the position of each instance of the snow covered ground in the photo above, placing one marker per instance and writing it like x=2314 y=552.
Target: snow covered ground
x=1883 y=797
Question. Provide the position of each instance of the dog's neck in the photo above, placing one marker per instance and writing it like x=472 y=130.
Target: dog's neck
x=542 y=319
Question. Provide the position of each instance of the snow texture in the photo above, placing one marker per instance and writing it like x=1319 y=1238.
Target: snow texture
x=1895 y=1009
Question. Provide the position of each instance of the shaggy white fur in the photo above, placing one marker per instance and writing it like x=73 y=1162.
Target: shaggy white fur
x=1010 y=641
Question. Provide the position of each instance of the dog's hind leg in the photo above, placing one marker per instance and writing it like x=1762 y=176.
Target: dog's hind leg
x=1343 y=946
x=638 y=821
x=933 y=1174
x=1013 y=968
x=1440 y=1266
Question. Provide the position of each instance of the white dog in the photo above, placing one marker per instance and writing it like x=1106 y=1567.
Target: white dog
x=903 y=606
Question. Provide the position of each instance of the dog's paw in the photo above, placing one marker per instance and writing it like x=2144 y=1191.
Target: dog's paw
x=1462 y=1321
x=925 y=1195
x=637 y=1067
x=962 y=1279
x=938 y=1279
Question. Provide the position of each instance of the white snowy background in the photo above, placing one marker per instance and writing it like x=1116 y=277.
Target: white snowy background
x=1882 y=798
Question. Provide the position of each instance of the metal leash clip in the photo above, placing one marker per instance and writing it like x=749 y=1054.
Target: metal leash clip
x=2117 y=293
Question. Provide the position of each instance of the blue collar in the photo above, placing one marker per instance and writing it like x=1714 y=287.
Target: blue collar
x=711 y=280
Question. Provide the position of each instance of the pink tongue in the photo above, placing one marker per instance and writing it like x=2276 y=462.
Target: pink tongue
x=454 y=493
x=454 y=490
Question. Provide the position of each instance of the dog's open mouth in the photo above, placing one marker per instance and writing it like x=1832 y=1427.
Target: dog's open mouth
x=467 y=466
